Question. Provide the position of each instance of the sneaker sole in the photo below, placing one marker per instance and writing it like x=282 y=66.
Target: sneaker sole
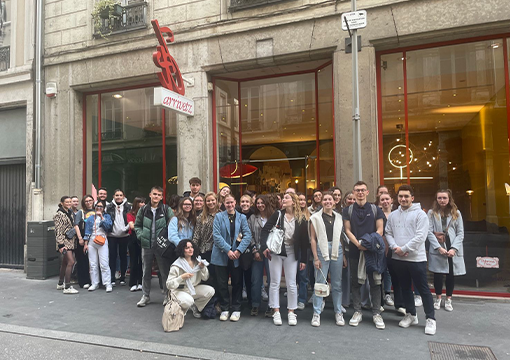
x=430 y=333
x=354 y=324
x=380 y=327
x=294 y=324
x=340 y=324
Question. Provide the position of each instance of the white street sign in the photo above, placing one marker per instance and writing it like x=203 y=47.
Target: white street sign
x=355 y=19
x=174 y=101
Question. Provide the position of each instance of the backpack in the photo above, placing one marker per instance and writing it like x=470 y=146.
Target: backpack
x=209 y=311
x=374 y=210
x=173 y=316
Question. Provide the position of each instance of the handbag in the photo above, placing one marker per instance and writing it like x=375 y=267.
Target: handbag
x=441 y=236
x=163 y=247
x=71 y=233
x=98 y=240
x=322 y=290
x=275 y=238
x=173 y=316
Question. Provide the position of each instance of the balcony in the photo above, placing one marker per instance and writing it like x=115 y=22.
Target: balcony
x=5 y=57
x=236 y=5
x=133 y=17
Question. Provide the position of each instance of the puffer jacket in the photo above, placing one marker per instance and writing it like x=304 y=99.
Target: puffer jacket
x=143 y=222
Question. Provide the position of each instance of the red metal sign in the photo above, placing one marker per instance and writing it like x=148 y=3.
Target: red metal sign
x=170 y=76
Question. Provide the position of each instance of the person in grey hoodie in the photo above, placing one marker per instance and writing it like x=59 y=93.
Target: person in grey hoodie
x=118 y=238
x=406 y=231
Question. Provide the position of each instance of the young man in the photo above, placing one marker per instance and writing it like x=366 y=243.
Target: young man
x=102 y=194
x=194 y=184
x=228 y=225
x=406 y=232
x=363 y=218
x=150 y=221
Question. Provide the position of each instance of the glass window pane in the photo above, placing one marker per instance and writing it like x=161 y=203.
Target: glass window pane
x=92 y=145
x=326 y=130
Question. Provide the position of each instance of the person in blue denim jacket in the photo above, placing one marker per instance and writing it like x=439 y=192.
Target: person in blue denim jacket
x=181 y=226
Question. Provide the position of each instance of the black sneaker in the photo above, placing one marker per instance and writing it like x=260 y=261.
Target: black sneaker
x=254 y=311
x=269 y=313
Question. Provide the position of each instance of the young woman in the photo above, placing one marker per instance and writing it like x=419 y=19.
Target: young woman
x=173 y=201
x=185 y=277
x=256 y=223
x=246 y=207
x=182 y=224
x=119 y=237
x=302 y=278
x=82 y=259
x=348 y=199
x=224 y=191
x=446 y=252
x=66 y=241
x=303 y=205
x=202 y=235
x=337 y=197
x=98 y=226
x=135 y=251
x=198 y=204
x=328 y=255
x=293 y=251
x=316 y=201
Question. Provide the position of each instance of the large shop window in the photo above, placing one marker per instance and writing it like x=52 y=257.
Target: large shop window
x=275 y=133
x=445 y=125
x=125 y=149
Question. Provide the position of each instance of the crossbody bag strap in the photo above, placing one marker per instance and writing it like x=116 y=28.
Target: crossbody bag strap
x=325 y=278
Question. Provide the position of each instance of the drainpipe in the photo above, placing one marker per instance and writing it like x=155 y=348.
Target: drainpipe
x=38 y=99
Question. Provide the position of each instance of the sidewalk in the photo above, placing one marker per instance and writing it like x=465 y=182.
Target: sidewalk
x=115 y=320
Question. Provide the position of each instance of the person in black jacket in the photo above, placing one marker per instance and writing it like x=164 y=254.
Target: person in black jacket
x=293 y=250
x=119 y=236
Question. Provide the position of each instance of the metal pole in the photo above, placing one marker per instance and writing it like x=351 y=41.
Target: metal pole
x=38 y=99
x=355 y=105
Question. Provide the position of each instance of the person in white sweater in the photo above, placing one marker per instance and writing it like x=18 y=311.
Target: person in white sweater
x=185 y=277
x=406 y=231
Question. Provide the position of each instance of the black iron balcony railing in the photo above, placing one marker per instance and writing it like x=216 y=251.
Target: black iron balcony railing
x=132 y=17
x=246 y=4
x=5 y=57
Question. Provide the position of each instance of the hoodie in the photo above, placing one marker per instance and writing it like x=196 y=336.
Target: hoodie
x=408 y=229
x=118 y=214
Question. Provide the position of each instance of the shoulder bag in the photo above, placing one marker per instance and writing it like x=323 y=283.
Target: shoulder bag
x=98 y=239
x=322 y=290
x=173 y=316
x=164 y=247
x=275 y=238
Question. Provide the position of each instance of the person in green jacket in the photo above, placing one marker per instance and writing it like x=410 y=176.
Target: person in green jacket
x=150 y=221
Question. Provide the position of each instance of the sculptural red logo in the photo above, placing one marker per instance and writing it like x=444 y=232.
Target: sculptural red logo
x=170 y=76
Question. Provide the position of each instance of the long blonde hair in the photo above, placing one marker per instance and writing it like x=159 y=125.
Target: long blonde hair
x=451 y=207
x=298 y=214
x=205 y=212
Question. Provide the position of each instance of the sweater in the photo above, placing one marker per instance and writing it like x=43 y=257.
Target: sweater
x=118 y=213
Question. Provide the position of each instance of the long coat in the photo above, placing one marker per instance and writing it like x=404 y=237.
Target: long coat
x=222 y=239
x=439 y=263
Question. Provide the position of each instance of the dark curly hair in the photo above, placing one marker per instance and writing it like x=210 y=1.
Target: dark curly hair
x=179 y=249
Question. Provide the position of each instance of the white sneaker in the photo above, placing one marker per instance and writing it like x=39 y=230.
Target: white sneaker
x=417 y=301
x=93 y=287
x=408 y=320
x=61 y=287
x=356 y=318
x=109 y=288
x=388 y=300
x=448 y=305
x=379 y=322
x=316 y=320
x=343 y=310
x=437 y=304
x=381 y=309
x=245 y=294
x=430 y=327
x=139 y=287
x=133 y=288
x=339 y=319
x=401 y=311
x=300 y=306
x=264 y=295
x=236 y=315
x=143 y=301
x=292 y=318
x=70 y=290
x=224 y=316
x=196 y=313
x=277 y=318
x=86 y=286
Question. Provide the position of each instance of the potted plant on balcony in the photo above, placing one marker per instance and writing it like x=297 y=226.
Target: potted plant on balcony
x=104 y=14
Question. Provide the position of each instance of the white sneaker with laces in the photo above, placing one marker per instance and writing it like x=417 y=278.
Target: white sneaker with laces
x=430 y=327
x=437 y=304
x=379 y=322
x=109 y=288
x=224 y=316
x=448 y=305
x=93 y=287
x=264 y=295
x=292 y=318
x=143 y=301
x=408 y=320
x=139 y=287
x=339 y=319
x=357 y=317
x=401 y=311
x=417 y=301
x=300 y=306
x=133 y=288
x=70 y=290
x=388 y=300
x=236 y=315
x=316 y=320
x=86 y=286
x=61 y=287
x=277 y=318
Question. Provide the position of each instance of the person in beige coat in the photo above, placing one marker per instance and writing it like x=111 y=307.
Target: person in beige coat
x=186 y=275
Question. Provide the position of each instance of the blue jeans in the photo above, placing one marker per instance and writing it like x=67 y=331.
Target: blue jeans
x=257 y=277
x=335 y=269
x=302 y=278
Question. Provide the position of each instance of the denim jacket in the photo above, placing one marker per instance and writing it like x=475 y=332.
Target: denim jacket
x=175 y=235
x=106 y=224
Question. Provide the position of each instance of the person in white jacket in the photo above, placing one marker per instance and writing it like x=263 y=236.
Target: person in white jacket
x=406 y=231
x=185 y=277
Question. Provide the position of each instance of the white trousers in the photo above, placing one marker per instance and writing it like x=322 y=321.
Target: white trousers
x=98 y=258
x=290 y=265
x=203 y=293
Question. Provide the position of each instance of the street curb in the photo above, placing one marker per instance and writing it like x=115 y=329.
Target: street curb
x=126 y=344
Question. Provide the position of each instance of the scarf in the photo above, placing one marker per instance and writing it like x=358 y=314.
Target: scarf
x=184 y=265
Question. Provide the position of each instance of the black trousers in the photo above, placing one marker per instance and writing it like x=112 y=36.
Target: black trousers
x=82 y=266
x=397 y=290
x=438 y=280
x=409 y=273
x=121 y=244
x=135 y=261
x=212 y=275
x=236 y=280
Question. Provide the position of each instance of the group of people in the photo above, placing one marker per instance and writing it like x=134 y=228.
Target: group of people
x=361 y=249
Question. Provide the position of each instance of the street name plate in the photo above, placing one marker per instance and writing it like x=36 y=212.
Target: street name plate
x=355 y=19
